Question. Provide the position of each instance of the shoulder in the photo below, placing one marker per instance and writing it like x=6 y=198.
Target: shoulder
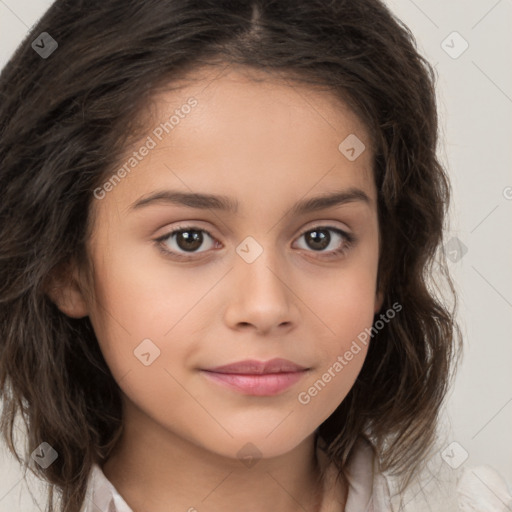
x=482 y=489
x=437 y=486
x=465 y=489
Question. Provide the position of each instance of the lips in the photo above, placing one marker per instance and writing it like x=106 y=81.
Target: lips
x=258 y=378
x=254 y=367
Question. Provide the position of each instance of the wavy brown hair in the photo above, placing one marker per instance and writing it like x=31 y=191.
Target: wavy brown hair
x=64 y=124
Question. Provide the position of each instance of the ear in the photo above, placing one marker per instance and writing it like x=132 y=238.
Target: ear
x=379 y=300
x=66 y=290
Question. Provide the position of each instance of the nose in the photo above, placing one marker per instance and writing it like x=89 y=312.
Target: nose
x=261 y=297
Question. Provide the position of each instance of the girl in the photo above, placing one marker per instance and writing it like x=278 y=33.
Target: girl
x=218 y=220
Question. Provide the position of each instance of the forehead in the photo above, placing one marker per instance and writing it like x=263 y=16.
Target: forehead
x=248 y=94
x=248 y=132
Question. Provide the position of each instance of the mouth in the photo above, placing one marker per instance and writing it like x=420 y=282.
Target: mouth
x=257 y=378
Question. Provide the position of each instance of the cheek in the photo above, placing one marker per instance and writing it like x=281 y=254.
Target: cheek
x=341 y=355
x=345 y=302
x=346 y=309
x=137 y=302
x=141 y=323
x=139 y=296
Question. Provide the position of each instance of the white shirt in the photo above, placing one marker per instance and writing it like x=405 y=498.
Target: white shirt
x=443 y=489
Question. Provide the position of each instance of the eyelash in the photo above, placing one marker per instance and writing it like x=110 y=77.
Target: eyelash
x=350 y=239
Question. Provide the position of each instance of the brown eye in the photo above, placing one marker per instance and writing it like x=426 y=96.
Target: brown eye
x=186 y=240
x=321 y=238
x=189 y=240
x=318 y=239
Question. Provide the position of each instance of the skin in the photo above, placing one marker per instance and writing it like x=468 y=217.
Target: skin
x=267 y=145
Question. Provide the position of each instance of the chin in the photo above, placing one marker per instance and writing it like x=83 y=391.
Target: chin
x=259 y=444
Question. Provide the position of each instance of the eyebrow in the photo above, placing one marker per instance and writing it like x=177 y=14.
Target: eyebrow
x=223 y=203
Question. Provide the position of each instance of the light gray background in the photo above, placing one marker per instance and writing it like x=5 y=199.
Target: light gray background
x=475 y=101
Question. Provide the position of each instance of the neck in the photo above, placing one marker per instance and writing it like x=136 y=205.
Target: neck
x=158 y=470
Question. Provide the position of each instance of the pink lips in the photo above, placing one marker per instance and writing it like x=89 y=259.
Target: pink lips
x=257 y=378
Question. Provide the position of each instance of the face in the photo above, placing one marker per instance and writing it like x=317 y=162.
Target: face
x=182 y=287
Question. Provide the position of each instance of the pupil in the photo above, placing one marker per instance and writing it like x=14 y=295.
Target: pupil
x=319 y=239
x=189 y=240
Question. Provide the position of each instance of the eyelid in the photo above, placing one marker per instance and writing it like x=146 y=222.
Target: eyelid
x=349 y=237
x=186 y=227
x=326 y=224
